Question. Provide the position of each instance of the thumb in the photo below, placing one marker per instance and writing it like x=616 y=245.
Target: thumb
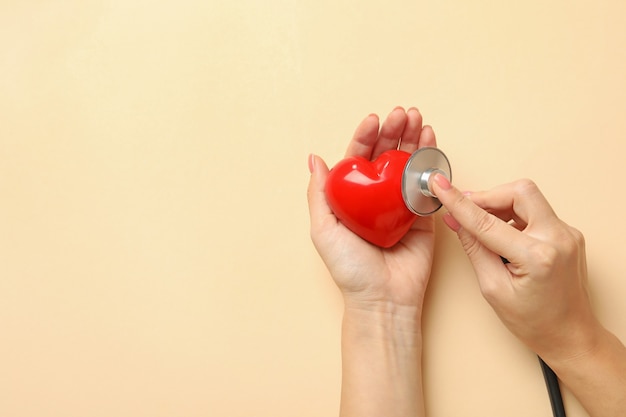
x=319 y=210
x=483 y=238
x=483 y=227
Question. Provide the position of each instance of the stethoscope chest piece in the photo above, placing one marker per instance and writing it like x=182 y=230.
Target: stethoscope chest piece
x=418 y=171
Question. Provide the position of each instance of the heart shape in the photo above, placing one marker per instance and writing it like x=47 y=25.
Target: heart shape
x=366 y=196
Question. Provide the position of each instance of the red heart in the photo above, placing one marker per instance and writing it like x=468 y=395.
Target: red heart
x=366 y=196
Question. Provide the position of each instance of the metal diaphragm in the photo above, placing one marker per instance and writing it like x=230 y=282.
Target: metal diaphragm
x=419 y=169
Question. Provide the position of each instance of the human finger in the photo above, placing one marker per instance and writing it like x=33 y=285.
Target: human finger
x=390 y=132
x=520 y=201
x=505 y=213
x=493 y=233
x=427 y=137
x=493 y=275
x=319 y=211
x=412 y=130
x=364 y=138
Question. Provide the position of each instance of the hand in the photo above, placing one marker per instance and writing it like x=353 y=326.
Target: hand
x=367 y=275
x=541 y=294
x=383 y=289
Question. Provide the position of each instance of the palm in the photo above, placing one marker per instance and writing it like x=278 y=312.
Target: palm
x=398 y=274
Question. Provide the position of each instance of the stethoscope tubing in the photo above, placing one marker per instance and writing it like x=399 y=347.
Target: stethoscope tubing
x=554 y=390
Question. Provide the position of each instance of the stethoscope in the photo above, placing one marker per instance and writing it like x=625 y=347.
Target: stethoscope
x=419 y=199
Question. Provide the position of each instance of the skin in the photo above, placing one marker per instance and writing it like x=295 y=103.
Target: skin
x=383 y=289
x=541 y=295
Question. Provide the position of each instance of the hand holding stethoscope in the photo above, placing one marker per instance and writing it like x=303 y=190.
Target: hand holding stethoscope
x=539 y=293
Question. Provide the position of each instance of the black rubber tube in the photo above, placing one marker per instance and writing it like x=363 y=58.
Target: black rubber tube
x=554 y=391
x=552 y=382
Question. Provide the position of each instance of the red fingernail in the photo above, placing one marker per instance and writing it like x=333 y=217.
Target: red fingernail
x=443 y=182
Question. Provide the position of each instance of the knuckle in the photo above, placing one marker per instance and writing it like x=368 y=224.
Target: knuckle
x=544 y=256
x=562 y=246
x=457 y=204
x=485 y=222
x=490 y=291
x=524 y=186
x=578 y=237
x=573 y=244
x=469 y=244
x=569 y=240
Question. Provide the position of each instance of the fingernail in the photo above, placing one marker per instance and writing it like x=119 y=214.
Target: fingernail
x=467 y=193
x=311 y=163
x=451 y=222
x=443 y=182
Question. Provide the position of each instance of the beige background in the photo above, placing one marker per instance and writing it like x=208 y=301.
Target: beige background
x=154 y=248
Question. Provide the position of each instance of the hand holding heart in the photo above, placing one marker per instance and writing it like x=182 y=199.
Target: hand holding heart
x=367 y=274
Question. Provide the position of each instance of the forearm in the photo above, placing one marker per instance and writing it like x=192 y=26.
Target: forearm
x=597 y=377
x=381 y=354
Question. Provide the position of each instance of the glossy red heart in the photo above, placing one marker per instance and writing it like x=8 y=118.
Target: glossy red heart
x=366 y=196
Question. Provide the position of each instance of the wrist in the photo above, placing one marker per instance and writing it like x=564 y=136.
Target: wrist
x=383 y=322
x=573 y=342
x=596 y=375
x=381 y=360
